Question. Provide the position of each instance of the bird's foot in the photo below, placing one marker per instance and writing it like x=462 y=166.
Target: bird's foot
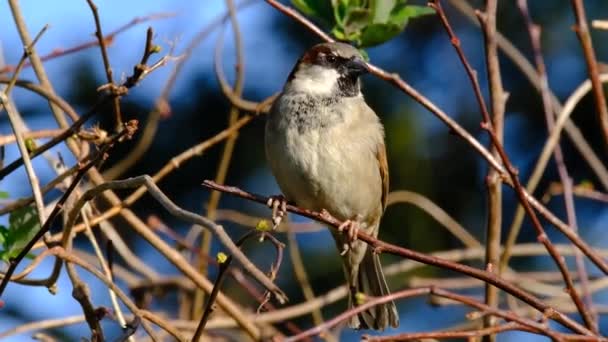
x=278 y=204
x=351 y=228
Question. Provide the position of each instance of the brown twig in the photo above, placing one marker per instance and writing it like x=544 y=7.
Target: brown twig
x=162 y=107
x=35 y=60
x=229 y=146
x=498 y=98
x=381 y=246
x=461 y=132
x=486 y=124
x=101 y=155
x=139 y=72
x=106 y=62
x=109 y=39
x=462 y=334
x=582 y=31
x=534 y=32
x=573 y=132
x=224 y=265
x=174 y=257
x=408 y=293
x=19 y=130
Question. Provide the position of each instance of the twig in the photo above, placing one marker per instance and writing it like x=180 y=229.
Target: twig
x=541 y=164
x=582 y=190
x=534 y=32
x=224 y=265
x=35 y=59
x=71 y=258
x=582 y=31
x=498 y=98
x=299 y=269
x=106 y=62
x=22 y=202
x=573 y=132
x=332 y=296
x=175 y=257
x=101 y=155
x=486 y=124
x=106 y=266
x=381 y=246
x=109 y=39
x=162 y=108
x=466 y=334
x=600 y=24
x=19 y=131
x=139 y=72
x=39 y=134
x=229 y=146
x=42 y=324
x=371 y=302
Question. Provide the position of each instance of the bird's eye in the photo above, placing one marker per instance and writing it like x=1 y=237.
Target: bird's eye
x=332 y=58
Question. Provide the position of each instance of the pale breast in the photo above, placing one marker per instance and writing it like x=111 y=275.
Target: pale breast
x=326 y=158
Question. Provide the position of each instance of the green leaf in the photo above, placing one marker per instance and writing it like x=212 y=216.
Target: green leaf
x=401 y=13
x=320 y=9
x=381 y=10
x=4 y=195
x=3 y=234
x=356 y=19
x=23 y=226
x=376 y=34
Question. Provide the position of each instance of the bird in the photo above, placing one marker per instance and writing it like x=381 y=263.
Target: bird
x=325 y=148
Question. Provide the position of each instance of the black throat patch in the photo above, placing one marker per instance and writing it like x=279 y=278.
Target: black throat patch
x=307 y=112
x=348 y=85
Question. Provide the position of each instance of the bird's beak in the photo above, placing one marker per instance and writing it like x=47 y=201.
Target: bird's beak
x=357 y=66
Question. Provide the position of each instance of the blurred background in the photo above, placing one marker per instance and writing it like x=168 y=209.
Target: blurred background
x=423 y=156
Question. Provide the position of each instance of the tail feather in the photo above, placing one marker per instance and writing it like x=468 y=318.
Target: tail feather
x=371 y=281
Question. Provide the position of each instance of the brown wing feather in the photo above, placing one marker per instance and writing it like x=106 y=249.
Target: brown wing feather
x=383 y=165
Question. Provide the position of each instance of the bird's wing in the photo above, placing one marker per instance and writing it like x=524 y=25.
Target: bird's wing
x=383 y=165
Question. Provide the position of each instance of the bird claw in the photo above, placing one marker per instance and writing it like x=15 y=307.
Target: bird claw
x=345 y=249
x=278 y=204
x=352 y=229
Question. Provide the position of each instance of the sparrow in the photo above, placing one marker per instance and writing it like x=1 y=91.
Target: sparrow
x=325 y=147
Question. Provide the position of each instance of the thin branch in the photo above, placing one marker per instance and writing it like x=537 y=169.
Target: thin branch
x=140 y=71
x=162 y=107
x=486 y=124
x=101 y=155
x=534 y=32
x=35 y=59
x=498 y=99
x=573 y=132
x=408 y=293
x=224 y=265
x=462 y=334
x=229 y=146
x=19 y=131
x=106 y=61
x=582 y=31
x=381 y=246
x=109 y=39
x=539 y=168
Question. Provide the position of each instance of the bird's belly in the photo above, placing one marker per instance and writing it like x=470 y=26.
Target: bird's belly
x=318 y=171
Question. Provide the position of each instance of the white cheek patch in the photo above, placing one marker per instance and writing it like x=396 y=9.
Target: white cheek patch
x=314 y=79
